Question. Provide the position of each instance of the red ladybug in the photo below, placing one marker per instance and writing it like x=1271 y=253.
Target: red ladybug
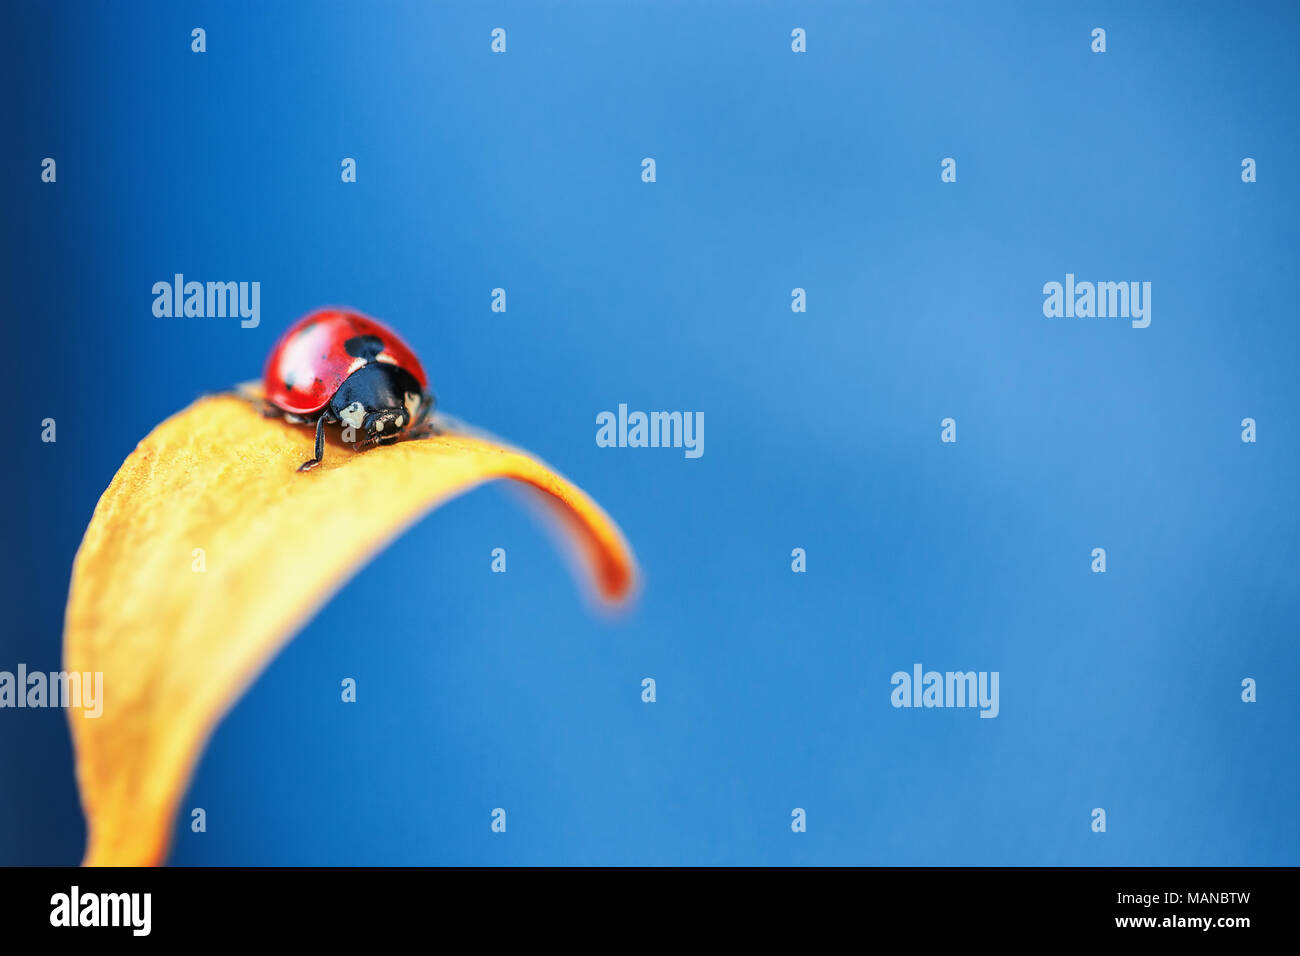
x=339 y=367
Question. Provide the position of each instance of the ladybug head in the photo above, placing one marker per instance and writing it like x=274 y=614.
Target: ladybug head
x=378 y=399
x=385 y=421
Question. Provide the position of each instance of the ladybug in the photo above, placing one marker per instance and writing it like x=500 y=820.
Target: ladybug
x=336 y=367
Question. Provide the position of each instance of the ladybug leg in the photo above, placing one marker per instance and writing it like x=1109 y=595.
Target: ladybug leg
x=261 y=404
x=422 y=431
x=421 y=426
x=374 y=440
x=320 y=445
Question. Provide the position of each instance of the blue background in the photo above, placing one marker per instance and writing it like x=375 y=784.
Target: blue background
x=775 y=170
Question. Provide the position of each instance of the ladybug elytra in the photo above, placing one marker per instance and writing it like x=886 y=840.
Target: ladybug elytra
x=336 y=367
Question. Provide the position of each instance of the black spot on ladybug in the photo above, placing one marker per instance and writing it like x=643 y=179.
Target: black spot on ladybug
x=364 y=346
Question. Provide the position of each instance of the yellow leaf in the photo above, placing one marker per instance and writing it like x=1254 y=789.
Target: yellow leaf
x=209 y=551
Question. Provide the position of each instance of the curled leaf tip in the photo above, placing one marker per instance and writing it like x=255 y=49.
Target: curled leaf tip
x=209 y=551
